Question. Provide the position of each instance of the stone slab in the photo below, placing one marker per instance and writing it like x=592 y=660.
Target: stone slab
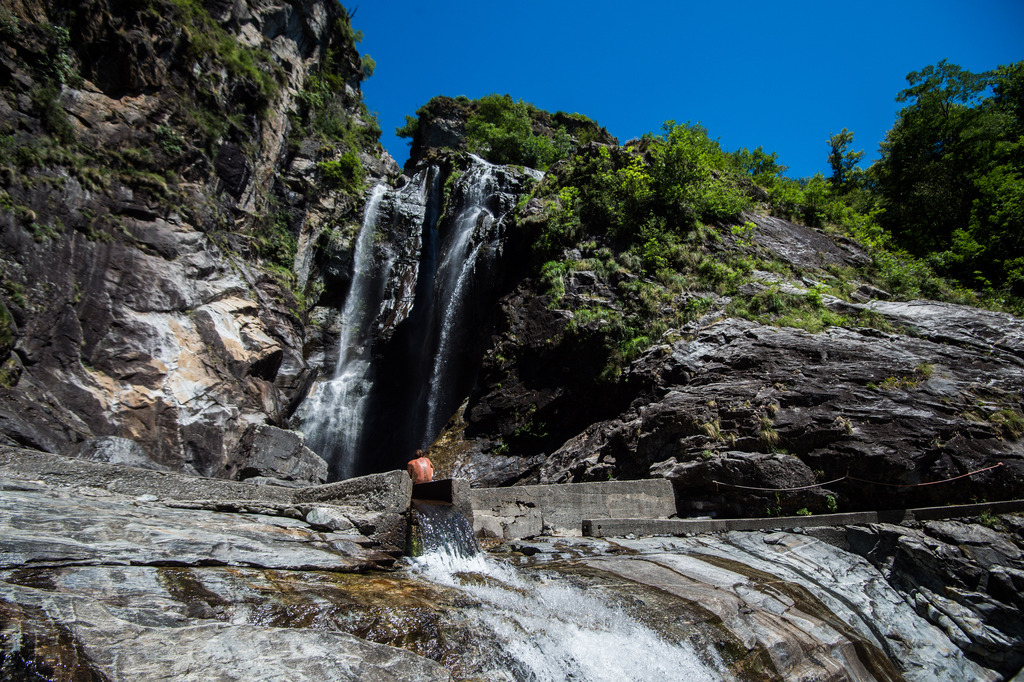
x=390 y=491
x=18 y=463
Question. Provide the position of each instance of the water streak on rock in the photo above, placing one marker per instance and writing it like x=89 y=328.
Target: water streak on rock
x=549 y=629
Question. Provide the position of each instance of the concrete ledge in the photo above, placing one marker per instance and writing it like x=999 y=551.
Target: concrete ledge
x=620 y=527
x=521 y=511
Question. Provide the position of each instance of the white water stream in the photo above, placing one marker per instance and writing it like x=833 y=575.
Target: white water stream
x=554 y=631
x=338 y=406
x=454 y=273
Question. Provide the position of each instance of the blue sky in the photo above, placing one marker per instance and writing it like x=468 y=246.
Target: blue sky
x=783 y=75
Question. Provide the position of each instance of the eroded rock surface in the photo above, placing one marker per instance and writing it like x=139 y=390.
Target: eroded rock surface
x=153 y=192
x=109 y=572
x=964 y=577
x=117 y=572
x=738 y=403
x=796 y=607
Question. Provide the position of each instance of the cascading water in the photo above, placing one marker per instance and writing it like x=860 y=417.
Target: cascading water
x=471 y=231
x=439 y=528
x=412 y=318
x=543 y=628
x=340 y=403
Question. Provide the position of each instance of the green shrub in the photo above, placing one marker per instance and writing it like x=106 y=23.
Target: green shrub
x=273 y=242
x=501 y=130
x=45 y=101
x=344 y=173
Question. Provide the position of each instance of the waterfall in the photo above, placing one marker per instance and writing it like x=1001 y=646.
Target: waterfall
x=544 y=628
x=454 y=277
x=411 y=322
x=338 y=406
x=439 y=528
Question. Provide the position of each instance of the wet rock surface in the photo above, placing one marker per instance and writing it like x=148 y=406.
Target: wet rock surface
x=736 y=403
x=151 y=582
x=788 y=605
x=116 y=572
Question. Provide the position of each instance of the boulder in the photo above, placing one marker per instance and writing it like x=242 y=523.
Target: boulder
x=378 y=504
x=278 y=453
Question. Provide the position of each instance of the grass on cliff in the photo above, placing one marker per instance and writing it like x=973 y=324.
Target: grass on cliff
x=658 y=222
x=208 y=41
x=507 y=131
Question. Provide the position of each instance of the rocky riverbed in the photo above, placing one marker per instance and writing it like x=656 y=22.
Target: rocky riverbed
x=112 y=572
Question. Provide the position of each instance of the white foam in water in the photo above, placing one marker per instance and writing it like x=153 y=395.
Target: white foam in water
x=556 y=631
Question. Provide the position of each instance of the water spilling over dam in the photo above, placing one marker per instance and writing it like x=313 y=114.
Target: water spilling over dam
x=541 y=627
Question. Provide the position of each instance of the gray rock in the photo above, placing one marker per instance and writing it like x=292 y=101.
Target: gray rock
x=817 y=612
x=90 y=637
x=328 y=518
x=278 y=453
x=803 y=247
x=115 y=450
x=18 y=464
x=137 y=322
x=962 y=577
x=387 y=492
x=58 y=530
x=379 y=504
x=845 y=402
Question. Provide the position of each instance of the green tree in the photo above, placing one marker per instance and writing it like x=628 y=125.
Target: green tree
x=501 y=129
x=950 y=177
x=925 y=174
x=761 y=166
x=843 y=161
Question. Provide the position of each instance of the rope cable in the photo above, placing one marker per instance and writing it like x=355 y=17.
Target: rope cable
x=848 y=477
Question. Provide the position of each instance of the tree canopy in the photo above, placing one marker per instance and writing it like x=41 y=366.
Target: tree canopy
x=951 y=174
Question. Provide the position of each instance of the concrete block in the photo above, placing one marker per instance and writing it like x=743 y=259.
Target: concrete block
x=522 y=511
x=453 y=490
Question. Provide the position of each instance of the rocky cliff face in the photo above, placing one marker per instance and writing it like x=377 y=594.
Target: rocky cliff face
x=736 y=412
x=169 y=171
x=181 y=206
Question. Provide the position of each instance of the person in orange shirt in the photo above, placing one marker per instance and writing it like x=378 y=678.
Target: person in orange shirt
x=420 y=468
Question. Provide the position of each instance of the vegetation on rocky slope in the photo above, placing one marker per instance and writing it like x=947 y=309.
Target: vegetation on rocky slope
x=637 y=250
x=663 y=216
